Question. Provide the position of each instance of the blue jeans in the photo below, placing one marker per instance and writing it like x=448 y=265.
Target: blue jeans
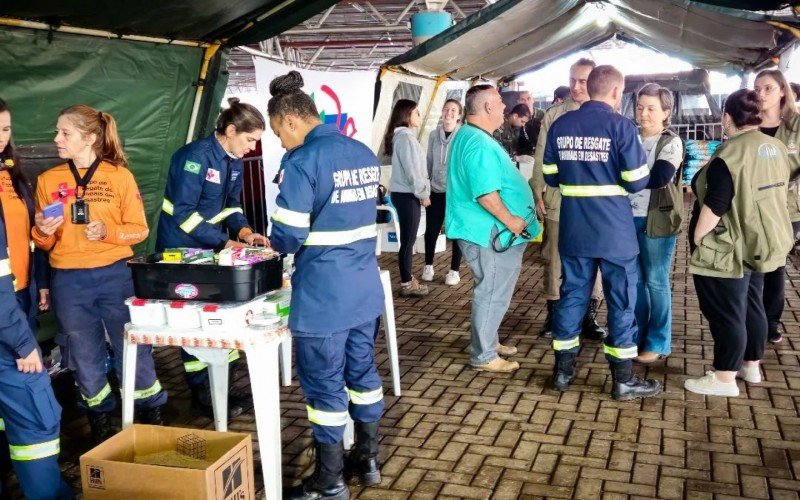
x=495 y=276
x=654 y=298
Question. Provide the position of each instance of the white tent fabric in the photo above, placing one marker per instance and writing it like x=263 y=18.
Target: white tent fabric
x=514 y=36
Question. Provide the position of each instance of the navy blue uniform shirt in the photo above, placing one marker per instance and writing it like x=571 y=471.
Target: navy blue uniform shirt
x=595 y=158
x=326 y=217
x=203 y=192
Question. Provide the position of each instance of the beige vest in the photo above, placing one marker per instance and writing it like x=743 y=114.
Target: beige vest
x=665 y=212
x=791 y=139
x=756 y=231
x=552 y=196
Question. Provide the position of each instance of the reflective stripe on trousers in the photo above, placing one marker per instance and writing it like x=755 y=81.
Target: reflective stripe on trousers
x=197 y=365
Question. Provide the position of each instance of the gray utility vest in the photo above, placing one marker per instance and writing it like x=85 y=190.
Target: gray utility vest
x=665 y=212
x=756 y=231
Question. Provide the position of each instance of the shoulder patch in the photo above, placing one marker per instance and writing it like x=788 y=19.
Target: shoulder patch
x=192 y=167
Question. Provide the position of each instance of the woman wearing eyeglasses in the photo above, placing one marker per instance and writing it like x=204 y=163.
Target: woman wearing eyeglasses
x=780 y=120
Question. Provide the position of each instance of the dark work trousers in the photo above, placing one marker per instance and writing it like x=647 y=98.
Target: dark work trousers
x=736 y=318
x=774 y=296
x=408 y=213
x=434 y=220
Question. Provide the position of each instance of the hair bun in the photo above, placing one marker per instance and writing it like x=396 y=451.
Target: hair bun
x=289 y=83
x=232 y=101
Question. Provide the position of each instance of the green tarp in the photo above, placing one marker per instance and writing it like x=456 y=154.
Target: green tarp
x=237 y=22
x=148 y=88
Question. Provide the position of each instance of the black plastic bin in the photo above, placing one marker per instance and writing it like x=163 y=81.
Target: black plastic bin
x=167 y=281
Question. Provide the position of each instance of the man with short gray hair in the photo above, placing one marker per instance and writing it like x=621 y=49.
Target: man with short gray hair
x=489 y=210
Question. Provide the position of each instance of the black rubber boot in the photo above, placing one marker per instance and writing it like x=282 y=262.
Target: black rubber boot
x=100 y=424
x=361 y=464
x=591 y=330
x=547 y=328
x=628 y=386
x=564 y=370
x=151 y=416
x=201 y=403
x=327 y=480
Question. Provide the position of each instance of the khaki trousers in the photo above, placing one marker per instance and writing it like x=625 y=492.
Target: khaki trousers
x=552 y=268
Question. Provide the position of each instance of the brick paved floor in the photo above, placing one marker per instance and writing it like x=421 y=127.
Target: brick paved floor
x=459 y=433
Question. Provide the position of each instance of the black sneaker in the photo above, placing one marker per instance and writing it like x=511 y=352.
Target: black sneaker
x=775 y=335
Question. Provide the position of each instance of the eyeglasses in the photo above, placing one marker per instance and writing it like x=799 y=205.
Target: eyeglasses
x=769 y=89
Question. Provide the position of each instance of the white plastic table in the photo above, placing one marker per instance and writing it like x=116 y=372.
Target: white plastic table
x=262 y=349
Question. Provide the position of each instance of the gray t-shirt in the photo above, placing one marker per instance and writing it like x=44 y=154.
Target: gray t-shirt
x=671 y=152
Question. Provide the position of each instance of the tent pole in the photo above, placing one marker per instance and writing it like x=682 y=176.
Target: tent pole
x=201 y=83
x=18 y=23
x=439 y=81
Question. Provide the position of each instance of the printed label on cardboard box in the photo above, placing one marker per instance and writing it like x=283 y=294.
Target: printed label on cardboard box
x=231 y=478
x=97 y=478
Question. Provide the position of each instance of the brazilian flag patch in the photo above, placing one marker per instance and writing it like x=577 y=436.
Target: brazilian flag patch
x=192 y=166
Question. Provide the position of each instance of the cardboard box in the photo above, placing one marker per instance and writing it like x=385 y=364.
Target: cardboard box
x=109 y=471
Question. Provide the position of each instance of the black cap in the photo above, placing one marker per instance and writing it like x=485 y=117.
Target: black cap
x=561 y=92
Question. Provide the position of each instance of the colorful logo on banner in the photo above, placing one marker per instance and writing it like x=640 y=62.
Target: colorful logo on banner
x=345 y=124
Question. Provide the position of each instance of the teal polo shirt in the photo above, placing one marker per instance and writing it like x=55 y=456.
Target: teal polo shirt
x=479 y=165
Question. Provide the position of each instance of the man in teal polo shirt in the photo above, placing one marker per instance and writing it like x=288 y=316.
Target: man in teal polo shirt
x=490 y=212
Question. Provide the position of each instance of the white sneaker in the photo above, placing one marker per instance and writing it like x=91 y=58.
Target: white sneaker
x=711 y=386
x=427 y=273
x=750 y=374
x=452 y=278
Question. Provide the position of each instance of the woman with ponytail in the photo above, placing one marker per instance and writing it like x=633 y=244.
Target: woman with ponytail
x=94 y=214
x=32 y=444
x=202 y=209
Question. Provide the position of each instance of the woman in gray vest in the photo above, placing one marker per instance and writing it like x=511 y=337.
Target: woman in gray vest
x=781 y=121
x=739 y=230
x=657 y=214
x=438 y=148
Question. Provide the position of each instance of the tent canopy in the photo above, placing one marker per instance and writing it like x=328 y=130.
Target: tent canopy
x=83 y=51
x=237 y=22
x=514 y=36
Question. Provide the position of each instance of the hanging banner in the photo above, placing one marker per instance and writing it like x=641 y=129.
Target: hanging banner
x=343 y=99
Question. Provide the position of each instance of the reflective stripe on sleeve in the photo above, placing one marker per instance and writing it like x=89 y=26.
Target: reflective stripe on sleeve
x=367 y=397
x=292 y=218
x=326 y=418
x=5 y=267
x=635 y=175
x=192 y=222
x=621 y=352
x=585 y=191
x=22 y=453
x=550 y=169
x=2 y=425
x=97 y=399
x=225 y=214
x=565 y=345
x=167 y=207
x=336 y=238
